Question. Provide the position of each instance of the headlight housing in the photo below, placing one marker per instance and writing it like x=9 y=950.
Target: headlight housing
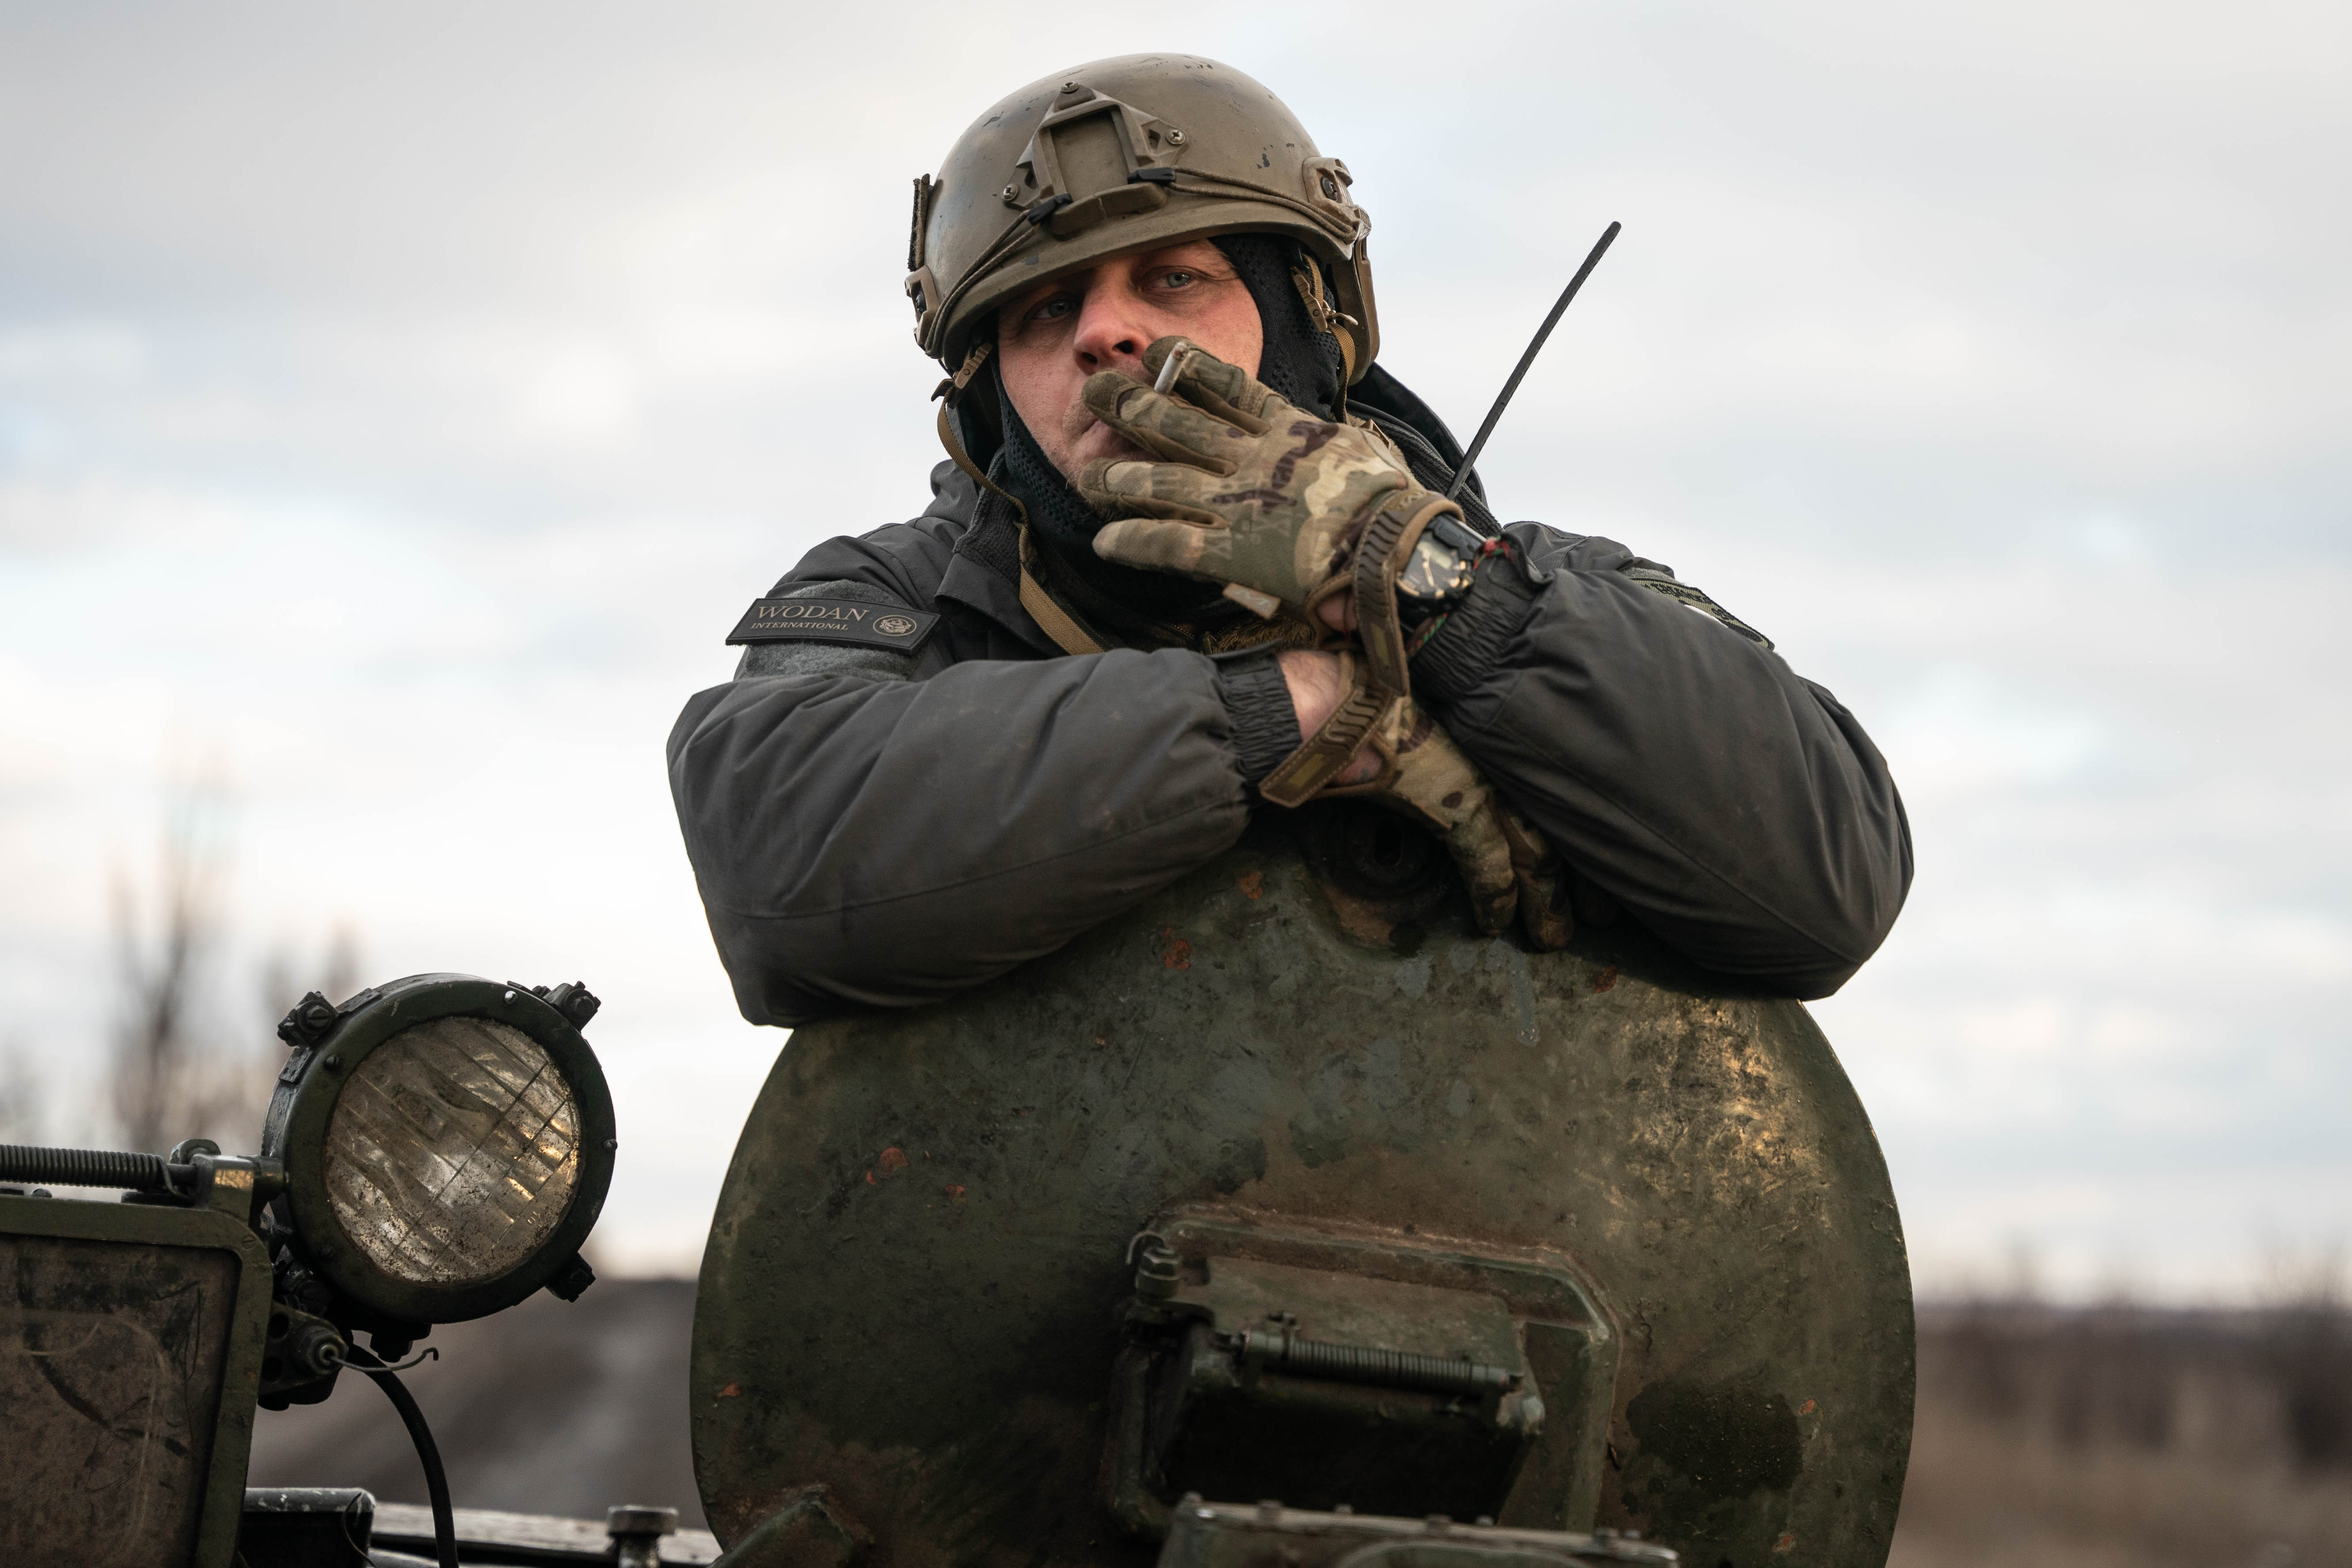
x=447 y=1143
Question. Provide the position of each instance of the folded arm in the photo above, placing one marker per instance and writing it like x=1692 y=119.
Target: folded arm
x=862 y=838
x=1731 y=805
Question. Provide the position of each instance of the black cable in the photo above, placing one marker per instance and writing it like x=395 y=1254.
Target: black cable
x=1502 y=401
x=436 y=1483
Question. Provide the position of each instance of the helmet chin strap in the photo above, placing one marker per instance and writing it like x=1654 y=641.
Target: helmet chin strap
x=1051 y=617
x=948 y=394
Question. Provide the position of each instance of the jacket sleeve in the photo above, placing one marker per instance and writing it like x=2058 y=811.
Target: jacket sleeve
x=1678 y=764
x=862 y=838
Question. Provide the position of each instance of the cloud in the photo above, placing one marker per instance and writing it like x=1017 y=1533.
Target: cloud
x=408 y=402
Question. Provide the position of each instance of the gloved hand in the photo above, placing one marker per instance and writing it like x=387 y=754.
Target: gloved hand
x=1505 y=862
x=1425 y=777
x=1248 y=488
x=1542 y=879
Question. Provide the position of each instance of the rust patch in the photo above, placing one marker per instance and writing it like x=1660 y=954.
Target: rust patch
x=870 y=1181
x=731 y=1391
x=1605 y=979
x=893 y=1160
x=1253 y=884
x=1807 y=1408
x=954 y=1193
x=1178 y=953
x=1787 y=1542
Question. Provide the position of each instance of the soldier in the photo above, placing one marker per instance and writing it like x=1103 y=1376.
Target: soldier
x=1188 y=560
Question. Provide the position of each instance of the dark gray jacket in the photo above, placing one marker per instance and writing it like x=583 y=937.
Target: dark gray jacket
x=868 y=826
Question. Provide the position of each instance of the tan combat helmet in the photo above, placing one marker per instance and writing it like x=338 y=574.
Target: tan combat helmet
x=1141 y=150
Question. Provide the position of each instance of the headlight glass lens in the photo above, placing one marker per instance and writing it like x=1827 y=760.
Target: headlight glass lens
x=453 y=1152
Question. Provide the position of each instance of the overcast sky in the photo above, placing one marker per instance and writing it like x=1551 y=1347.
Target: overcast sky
x=399 y=403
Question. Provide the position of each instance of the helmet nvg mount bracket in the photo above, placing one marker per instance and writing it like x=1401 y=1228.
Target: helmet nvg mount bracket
x=1143 y=150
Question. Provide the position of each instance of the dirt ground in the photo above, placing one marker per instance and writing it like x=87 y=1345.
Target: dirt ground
x=2119 y=1439
x=2127 y=1437
x=1982 y=1497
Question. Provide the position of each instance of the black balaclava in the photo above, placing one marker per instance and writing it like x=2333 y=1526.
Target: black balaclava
x=1299 y=359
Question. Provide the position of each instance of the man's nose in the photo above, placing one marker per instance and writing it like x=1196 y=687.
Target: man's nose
x=1112 y=332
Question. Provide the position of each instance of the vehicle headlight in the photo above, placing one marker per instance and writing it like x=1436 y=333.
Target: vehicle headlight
x=448 y=1145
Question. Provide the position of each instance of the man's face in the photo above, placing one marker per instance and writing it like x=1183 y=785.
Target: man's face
x=1050 y=339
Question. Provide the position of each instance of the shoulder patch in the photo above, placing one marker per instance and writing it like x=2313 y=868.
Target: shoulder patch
x=1690 y=598
x=854 y=621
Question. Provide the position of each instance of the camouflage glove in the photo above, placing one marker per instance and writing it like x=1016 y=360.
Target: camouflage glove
x=1542 y=881
x=1425 y=777
x=1248 y=489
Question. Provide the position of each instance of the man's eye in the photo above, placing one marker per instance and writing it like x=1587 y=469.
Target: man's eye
x=1051 y=309
x=1177 y=280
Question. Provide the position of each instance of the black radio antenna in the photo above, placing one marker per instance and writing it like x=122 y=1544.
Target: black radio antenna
x=1462 y=474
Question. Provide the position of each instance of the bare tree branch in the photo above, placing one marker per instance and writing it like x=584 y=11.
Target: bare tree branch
x=170 y=1078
